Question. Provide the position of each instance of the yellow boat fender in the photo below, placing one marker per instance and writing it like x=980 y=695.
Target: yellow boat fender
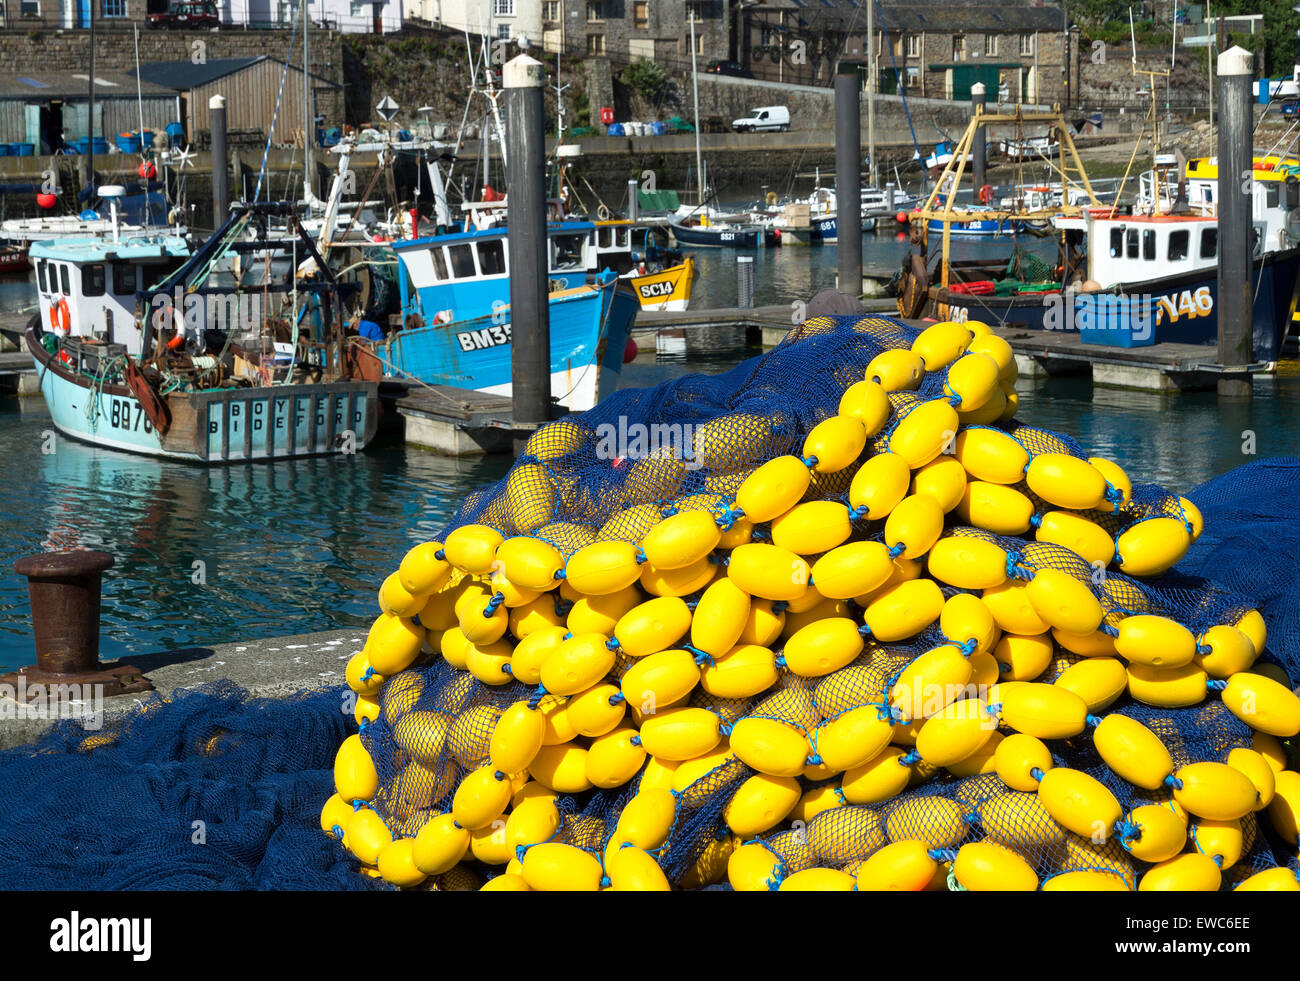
x=1153 y=833
x=556 y=867
x=941 y=344
x=472 y=548
x=597 y=710
x=903 y=610
x=926 y=431
x=530 y=563
x=943 y=479
x=1080 y=803
x=985 y=866
x=1215 y=791
x=655 y=625
x=813 y=527
x=681 y=539
x=880 y=483
x=913 y=526
x=1068 y=482
x=896 y=370
x=605 y=567
x=972 y=380
x=1261 y=703
x=834 y=444
x=1151 y=546
x=773 y=488
x=967 y=562
x=867 y=402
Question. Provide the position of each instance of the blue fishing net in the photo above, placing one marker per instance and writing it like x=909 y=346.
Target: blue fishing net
x=207 y=789
x=258 y=771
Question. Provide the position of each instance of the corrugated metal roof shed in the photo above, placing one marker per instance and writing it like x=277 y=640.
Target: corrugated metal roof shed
x=38 y=86
x=184 y=75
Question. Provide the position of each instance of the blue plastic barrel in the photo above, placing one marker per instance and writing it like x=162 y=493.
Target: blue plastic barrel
x=128 y=144
x=175 y=131
x=24 y=149
x=6 y=149
x=146 y=138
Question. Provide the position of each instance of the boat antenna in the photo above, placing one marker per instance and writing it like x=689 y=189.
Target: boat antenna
x=139 y=105
x=90 y=109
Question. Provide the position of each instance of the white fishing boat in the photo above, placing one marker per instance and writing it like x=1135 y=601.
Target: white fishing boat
x=139 y=346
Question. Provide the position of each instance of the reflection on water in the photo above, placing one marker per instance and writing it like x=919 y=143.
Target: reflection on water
x=297 y=546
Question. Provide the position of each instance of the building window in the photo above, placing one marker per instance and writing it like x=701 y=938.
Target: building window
x=914 y=45
x=641 y=15
x=31 y=8
x=595 y=11
x=958 y=47
x=503 y=8
x=1026 y=44
x=551 y=10
x=913 y=78
x=696 y=9
x=991 y=44
x=595 y=44
x=112 y=8
x=503 y=32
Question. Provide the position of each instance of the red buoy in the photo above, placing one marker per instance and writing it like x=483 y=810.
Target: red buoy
x=47 y=200
x=901 y=217
x=630 y=351
x=147 y=170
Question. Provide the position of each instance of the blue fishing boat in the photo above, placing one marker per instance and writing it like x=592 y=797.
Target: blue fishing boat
x=141 y=346
x=456 y=314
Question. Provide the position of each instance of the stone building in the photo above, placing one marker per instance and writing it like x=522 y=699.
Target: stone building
x=1016 y=48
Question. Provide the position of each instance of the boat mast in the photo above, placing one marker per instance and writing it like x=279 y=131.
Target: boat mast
x=90 y=108
x=874 y=174
x=309 y=128
x=695 y=82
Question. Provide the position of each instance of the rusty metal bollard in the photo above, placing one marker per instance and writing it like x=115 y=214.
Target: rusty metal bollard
x=64 y=588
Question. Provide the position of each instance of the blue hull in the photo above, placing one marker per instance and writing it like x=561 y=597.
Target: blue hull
x=717 y=237
x=588 y=333
x=1178 y=309
x=219 y=426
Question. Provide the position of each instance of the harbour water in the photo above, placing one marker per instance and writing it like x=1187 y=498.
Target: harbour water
x=210 y=555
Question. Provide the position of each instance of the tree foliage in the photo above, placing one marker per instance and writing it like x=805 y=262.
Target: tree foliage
x=649 y=79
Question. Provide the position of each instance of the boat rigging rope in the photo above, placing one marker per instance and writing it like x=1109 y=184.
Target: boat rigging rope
x=288 y=60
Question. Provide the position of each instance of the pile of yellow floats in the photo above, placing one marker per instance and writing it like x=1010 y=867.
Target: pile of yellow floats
x=877 y=653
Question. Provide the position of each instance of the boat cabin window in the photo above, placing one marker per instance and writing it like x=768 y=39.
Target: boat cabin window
x=604 y=237
x=566 y=252
x=492 y=257
x=1116 y=242
x=1272 y=194
x=63 y=279
x=125 y=279
x=462 y=261
x=1131 y=243
x=1209 y=243
x=1149 y=244
x=1178 y=241
x=439 y=264
x=40 y=275
x=92 y=279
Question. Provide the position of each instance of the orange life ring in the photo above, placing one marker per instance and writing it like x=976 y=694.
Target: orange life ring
x=986 y=194
x=60 y=316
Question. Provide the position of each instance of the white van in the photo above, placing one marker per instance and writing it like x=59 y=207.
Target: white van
x=765 y=119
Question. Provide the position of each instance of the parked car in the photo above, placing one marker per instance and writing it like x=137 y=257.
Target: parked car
x=764 y=119
x=188 y=13
x=719 y=67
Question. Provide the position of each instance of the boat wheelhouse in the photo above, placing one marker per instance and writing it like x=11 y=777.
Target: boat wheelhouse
x=141 y=346
x=455 y=292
